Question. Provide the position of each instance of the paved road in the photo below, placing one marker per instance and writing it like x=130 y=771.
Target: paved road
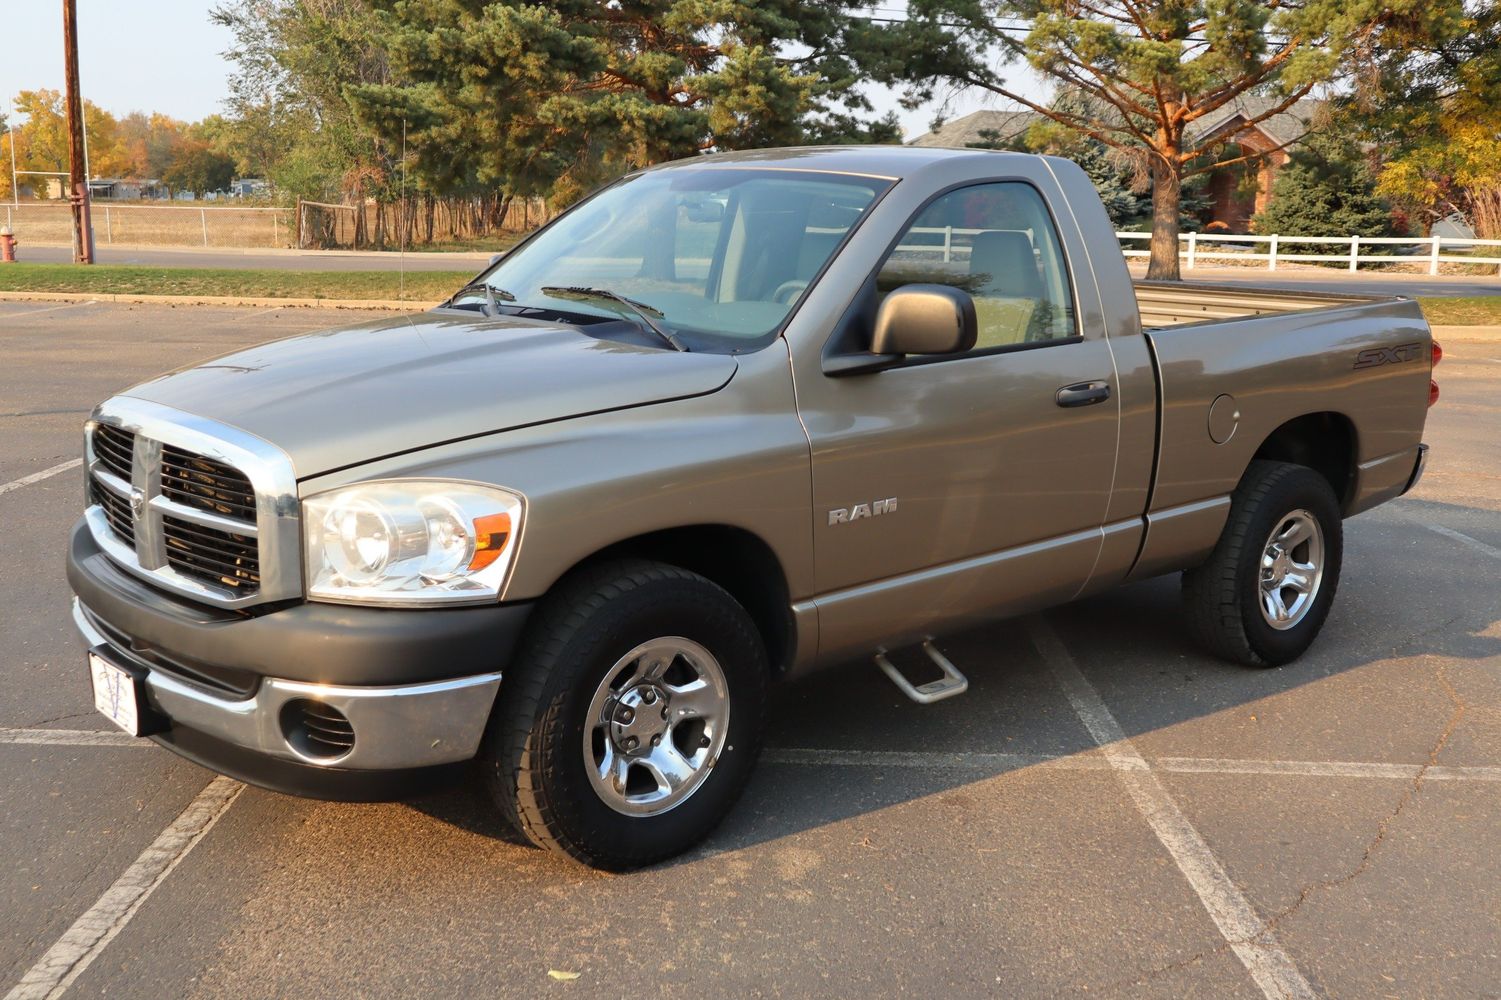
x=981 y=847
x=273 y=259
x=1361 y=283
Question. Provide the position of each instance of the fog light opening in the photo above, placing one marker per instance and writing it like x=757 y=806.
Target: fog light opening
x=316 y=731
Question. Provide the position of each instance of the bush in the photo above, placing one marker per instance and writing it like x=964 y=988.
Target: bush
x=1326 y=188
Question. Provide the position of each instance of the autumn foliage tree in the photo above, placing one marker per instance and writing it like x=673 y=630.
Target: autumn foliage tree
x=1431 y=101
x=1154 y=68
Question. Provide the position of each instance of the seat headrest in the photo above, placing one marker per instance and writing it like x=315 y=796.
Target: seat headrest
x=1004 y=266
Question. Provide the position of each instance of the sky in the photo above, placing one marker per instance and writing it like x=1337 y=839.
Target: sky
x=167 y=56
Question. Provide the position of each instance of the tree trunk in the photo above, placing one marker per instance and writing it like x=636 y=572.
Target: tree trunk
x=1167 y=192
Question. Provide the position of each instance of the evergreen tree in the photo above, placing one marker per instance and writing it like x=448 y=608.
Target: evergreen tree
x=1325 y=189
x=552 y=99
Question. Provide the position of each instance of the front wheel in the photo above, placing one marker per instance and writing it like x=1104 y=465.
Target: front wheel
x=629 y=724
x=1262 y=596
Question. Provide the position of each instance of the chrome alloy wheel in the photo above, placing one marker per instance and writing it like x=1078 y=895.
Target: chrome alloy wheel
x=1292 y=567
x=656 y=726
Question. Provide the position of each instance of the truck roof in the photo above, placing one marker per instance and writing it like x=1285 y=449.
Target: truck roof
x=891 y=162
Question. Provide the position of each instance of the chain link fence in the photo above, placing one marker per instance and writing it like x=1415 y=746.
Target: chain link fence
x=147 y=225
x=310 y=225
x=414 y=222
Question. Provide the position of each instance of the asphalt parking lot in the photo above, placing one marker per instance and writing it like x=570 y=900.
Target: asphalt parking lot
x=1107 y=812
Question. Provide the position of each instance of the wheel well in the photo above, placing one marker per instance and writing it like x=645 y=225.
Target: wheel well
x=1324 y=442
x=735 y=559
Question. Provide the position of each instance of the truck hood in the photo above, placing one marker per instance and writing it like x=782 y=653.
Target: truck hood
x=351 y=395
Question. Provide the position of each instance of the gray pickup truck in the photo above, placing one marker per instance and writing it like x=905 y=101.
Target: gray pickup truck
x=726 y=421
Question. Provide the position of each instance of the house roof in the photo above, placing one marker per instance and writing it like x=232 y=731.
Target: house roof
x=1283 y=129
x=966 y=131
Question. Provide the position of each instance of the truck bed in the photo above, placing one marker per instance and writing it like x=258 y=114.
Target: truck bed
x=1169 y=303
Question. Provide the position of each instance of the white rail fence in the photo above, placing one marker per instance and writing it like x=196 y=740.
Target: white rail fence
x=1194 y=247
x=951 y=243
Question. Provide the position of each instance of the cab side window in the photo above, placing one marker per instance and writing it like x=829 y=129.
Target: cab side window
x=996 y=242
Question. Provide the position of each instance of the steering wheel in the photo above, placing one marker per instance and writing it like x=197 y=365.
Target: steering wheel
x=788 y=291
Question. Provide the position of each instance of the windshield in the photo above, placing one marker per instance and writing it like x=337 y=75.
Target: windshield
x=719 y=255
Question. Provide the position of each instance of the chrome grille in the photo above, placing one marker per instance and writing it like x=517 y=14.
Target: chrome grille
x=115 y=448
x=116 y=509
x=193 y=506
x=206 y=484
x=220 y=557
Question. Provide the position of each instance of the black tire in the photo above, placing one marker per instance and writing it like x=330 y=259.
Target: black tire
x=533 y=757
x=1223 y=597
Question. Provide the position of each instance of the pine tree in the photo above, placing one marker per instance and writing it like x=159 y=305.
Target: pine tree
x=1325 y=189
x=552 y=99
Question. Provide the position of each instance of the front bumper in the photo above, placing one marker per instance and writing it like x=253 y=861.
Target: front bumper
x=415 y=686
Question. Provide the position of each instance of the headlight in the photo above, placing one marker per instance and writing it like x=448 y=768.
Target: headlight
x=410 y=542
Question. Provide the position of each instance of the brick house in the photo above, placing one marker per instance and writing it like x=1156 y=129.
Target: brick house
x=1232 y=200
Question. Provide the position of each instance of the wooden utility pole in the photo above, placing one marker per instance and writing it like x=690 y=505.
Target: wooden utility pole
x=78 y=181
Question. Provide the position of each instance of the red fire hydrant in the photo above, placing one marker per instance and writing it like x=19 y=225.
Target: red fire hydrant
x=7 y=245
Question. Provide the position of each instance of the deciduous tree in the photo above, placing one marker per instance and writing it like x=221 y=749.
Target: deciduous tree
x=1431 y=101
x=199 y=169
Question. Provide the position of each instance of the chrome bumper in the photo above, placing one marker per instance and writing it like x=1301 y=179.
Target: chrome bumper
x=398 y=727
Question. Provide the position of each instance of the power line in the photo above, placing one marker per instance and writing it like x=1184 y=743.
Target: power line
x=1015 y=29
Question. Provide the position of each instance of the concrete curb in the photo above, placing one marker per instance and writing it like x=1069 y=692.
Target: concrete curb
x=1485 y=334
x=217 y=300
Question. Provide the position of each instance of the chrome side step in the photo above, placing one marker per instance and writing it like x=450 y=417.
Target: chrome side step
x=951 y=683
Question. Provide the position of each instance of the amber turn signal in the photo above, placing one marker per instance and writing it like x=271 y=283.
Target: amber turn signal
x=491 y=533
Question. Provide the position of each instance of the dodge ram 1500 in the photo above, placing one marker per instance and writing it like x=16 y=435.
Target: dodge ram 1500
x=726 y=421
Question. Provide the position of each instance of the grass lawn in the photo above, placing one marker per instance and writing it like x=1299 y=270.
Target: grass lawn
x=1482 y=310
x=420 y=286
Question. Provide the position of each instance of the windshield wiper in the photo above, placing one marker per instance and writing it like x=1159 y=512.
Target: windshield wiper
x=491 y=306
x=642 y=311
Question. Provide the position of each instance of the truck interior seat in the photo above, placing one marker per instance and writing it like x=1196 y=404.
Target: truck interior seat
x=1005 y=286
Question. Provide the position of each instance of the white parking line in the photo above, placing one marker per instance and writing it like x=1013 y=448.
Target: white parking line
x=982 y=764
x=1464 y=539
x=72 y=738
x=979 y=763
x=37 y=477
x=1249 y=937
x=48 y=309
x=91 y=933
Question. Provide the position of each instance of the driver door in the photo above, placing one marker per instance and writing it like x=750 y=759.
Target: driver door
x=951 y=488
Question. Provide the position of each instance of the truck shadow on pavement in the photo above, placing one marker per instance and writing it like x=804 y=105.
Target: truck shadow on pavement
x=1378 y=686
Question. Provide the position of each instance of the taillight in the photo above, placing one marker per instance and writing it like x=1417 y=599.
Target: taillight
x=1438 y=353
x=1432 y=392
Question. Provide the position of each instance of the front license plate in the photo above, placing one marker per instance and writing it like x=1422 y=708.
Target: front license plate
x=115 y=694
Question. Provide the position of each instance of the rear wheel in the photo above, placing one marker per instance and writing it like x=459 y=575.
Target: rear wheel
x=1264 y=593
x=628 y=726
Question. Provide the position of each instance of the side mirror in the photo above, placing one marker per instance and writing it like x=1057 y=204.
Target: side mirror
x=496 y=258
x=925 y=319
